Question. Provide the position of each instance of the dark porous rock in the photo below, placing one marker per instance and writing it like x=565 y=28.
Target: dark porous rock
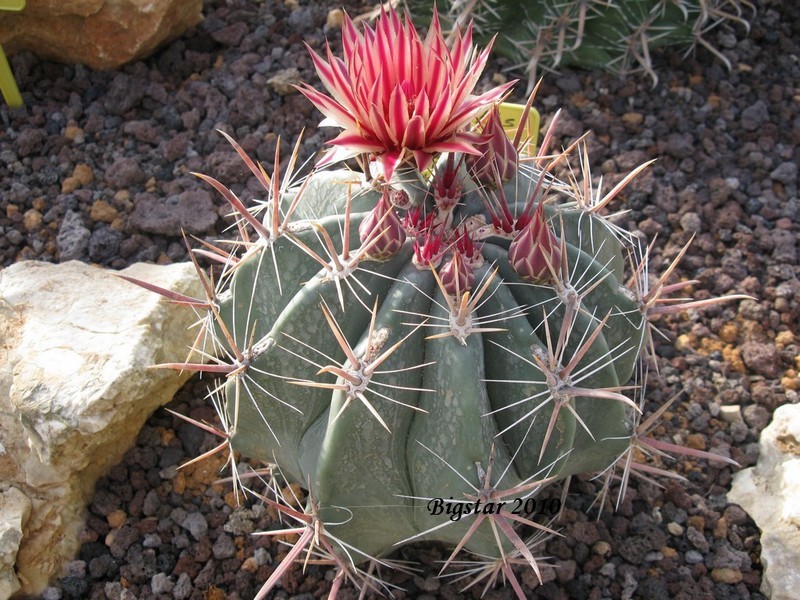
x=785 y=173
x=74 y=586
x=725 y=557
x=176 y=146
x=104 y=244
x=653 y=588
x=697 y=539
x=123 y=94
x=224 y=547
x=183 y=587
x=192 y=211
x=762 y=358
x=226 y=166
x=142 y=131
x=161 y=584
x=785 y=246
x=119 y=540
x=755 y=115
x=30 y=140
x=634 y=548
x=124 y=172
x=231 y=35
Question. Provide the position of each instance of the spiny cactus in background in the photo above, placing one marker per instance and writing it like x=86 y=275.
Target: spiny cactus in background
x=617 y=35
x=425 y=346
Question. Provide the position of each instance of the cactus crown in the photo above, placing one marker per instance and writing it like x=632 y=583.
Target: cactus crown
x=430 y=343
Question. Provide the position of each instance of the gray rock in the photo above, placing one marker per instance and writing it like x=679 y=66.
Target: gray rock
x=755 y=115
x=691 y=222
x=756 y=416
x=240 y=522
x=196 y=524
x=224 y=547
x=160 y=583
x=183 y=587
x=786 y=173
x=726 y=557
x=73 y=237
x=51 y=593
x=693 y=557
x=15 y=237
x=785 y=250
x=697 y=539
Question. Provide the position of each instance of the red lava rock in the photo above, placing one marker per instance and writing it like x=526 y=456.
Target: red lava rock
x=761 y=358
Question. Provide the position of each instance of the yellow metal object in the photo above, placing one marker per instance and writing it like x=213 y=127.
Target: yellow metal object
x=7 y=84
x=511 y=115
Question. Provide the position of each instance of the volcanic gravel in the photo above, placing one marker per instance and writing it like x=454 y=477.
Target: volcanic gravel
x=96 y=167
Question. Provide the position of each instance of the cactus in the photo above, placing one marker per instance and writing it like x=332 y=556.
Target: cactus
x=616 y=35
x=426 y=344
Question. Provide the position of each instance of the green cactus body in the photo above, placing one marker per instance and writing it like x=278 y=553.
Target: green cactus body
x=618 y=36
x=426 y=346
x=445 y=402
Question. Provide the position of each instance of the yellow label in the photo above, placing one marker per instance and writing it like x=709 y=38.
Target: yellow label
x=511 y=115
x=15 y=5
x=8 y=86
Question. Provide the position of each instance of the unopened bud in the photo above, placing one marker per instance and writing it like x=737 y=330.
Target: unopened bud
x=446 y=186
x=417 y=220
x=499 y=159
x=428 y=252
x=382 y=231
x=535 y=252
x=457 y=276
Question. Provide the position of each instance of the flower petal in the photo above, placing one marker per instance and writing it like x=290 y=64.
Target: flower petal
x=395 y=94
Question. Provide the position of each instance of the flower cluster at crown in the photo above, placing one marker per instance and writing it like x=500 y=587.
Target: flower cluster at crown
x=408 y=112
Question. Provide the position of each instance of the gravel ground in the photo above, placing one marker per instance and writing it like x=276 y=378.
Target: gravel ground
x=85 y=169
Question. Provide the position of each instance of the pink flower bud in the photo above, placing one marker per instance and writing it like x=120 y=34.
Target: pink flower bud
x=499 y=159
x=535 y=249
x=446 y=186
x=469 y=251
x=382 y=231
x=457 y=276
x=417 y=220
x=428 y=252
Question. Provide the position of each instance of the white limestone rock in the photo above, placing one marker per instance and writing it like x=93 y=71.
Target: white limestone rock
x=15 y=508
x=76 y=346
x=769 y=493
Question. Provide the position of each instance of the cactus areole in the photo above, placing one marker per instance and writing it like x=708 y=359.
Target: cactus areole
x=424 y=349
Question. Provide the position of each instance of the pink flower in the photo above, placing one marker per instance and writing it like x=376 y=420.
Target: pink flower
x=398 y=97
